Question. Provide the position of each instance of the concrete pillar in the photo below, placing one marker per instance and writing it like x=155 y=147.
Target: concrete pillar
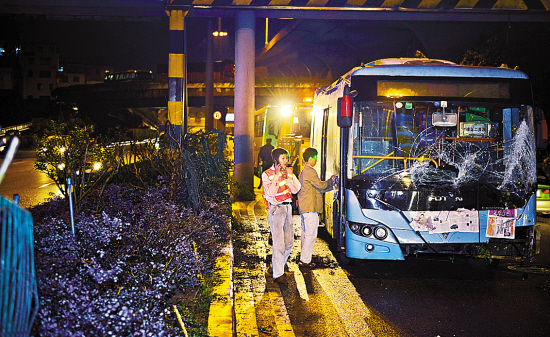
x=244 y=98
x=176 y=75
x=209 y=80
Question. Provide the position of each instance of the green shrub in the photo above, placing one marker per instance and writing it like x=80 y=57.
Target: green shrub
x=71 y=152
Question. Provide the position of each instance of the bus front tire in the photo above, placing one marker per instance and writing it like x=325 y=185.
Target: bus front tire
x=343 y=259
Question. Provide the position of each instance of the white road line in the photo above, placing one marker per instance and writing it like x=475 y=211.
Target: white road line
x=282 y=320
x=300 y=282
x=250 y=210
x=343 y=296
x=245 y=309
x=48 y=184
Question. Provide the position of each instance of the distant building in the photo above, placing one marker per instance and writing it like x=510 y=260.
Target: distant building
x=39 y=64
x=77 y=74
x=6 y=78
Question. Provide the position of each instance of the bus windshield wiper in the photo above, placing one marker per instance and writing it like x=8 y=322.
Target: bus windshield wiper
x=387 y=204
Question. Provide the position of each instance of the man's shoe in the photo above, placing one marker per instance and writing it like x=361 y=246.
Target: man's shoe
x=310 y=265
x=269 y=269
x=281 y=279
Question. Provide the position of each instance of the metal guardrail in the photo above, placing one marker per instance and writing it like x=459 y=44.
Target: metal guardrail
x=18 y=288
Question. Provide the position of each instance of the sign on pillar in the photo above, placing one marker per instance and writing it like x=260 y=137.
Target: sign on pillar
x=176 y=76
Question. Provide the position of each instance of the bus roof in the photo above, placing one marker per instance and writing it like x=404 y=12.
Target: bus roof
x=432 y=68
x=421 y=67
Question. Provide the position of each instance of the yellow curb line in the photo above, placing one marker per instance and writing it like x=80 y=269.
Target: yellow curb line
x=220 y=316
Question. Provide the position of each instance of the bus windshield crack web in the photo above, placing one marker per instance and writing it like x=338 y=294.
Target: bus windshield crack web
x=463 y=162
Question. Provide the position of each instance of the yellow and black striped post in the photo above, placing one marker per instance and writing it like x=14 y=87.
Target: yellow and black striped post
x=176 y=75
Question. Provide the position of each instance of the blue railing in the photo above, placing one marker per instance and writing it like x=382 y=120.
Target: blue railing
x=18 y=289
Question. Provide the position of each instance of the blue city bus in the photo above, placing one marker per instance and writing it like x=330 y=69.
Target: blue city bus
x=432 y=157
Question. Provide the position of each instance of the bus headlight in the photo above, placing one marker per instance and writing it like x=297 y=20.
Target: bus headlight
x=354 y=227
x=380 y=233
x=366 y=230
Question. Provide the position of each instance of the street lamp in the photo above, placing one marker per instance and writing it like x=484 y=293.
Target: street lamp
x=219 y=33
x=286 y=110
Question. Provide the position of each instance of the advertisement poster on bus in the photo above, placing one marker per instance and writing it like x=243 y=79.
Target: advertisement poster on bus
x=461 y=220
x=501 y=224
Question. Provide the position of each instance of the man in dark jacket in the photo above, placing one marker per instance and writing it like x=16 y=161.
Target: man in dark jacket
x=264 y=158
x=310 y=202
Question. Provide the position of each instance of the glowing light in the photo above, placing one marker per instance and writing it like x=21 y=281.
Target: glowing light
x=61 y=166
x=398 y=105
x=97 y=166
x=316 y=112
x=308 y=99
x=216 y=33
x=44 y=149
x=295 y=120
x=286 y=110
x=62 y=149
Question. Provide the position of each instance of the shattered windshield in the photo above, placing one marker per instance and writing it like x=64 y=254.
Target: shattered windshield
x=416 y=145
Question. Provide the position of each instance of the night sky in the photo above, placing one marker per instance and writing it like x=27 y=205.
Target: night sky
x=314 y=48
x=144 y=44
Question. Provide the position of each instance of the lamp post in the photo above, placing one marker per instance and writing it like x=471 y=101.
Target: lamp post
x=218 y=34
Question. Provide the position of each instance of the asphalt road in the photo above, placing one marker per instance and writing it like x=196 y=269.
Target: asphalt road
x=464 y=297
x=33 y=186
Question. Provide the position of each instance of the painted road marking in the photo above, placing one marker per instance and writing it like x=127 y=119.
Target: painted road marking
x=245 y=308
x=48 y=184
x=244 y=303
x=342 y=294
x=250 y=210
x=300 y=282
x=282 y=320
x=220 y=318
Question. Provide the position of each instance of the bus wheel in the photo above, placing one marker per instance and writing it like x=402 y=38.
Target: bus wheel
x=343 y=259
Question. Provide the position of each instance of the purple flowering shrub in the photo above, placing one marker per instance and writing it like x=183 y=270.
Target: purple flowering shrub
x=127 y=265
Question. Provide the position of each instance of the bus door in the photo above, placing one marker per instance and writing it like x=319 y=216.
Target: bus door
x=327 y=216
x=324 y=145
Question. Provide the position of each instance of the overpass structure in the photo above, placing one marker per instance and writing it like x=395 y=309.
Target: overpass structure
x=245 y=13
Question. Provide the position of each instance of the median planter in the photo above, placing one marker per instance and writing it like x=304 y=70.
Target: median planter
x=131 y=269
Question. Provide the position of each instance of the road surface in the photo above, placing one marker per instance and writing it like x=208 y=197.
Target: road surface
x=33 y=186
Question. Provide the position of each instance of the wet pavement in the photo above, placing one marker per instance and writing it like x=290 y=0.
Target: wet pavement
x=428 y=296
x=318 y=302
x=464 y=297
x=33 y=186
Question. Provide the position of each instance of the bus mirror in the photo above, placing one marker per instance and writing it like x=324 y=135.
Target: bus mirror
x=542 y=132
x=345 y=108
x=443 y=119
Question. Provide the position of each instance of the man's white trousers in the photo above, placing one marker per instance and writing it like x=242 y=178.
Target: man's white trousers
x=279 y=218
x=310 y=224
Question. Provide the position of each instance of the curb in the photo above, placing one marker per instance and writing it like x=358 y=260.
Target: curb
x=220 y=316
